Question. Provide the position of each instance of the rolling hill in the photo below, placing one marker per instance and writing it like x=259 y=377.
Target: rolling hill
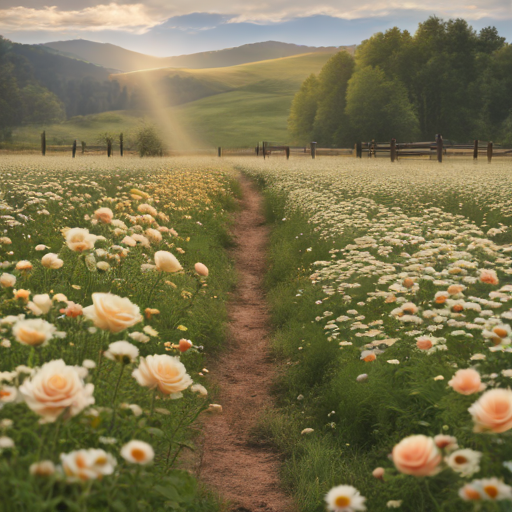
x=114 y=57
x=240 y=105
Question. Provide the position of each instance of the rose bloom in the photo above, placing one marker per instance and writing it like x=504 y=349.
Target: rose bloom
x=128 y=240
x=56 y=388
x=466 y=382
x=367 y=356
x=441 y=297
x=137 y=452
x=21 y=294
x=493 y=411
x=378 y=473
x=79 y=239
x=122 y=351
x=72 y=310
x=41 y=304
x=455 y=289
x=42 y=468
x=184 y=345
x=344 y=498
x=7 y=280
x=167 y=262
x=104 y=215
x=466 y=462
x=52 y=261
x=201 y=269
x=408 y=282
x=34 y=332
x=424 y=343
x=154 y=235
x=409 y=308
x=23 y=265
x=91 y=464
x=165 y=372
x=488 y=276
x=112 y=313
x=417 y=455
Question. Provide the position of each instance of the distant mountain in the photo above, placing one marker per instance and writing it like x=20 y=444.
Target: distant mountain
x=115 y=57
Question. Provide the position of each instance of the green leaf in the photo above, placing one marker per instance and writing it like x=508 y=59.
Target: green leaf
x=168 y=492
x=155 y=431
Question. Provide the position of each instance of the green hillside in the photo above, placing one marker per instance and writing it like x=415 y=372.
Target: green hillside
x=241 y=105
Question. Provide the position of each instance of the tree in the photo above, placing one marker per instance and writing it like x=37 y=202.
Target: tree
x=40 y=106
x=379 y=108
x=331 y=123
x=148 y=142
x=303 y=111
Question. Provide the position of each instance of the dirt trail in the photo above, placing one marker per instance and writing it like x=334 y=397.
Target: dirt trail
x=244 y=474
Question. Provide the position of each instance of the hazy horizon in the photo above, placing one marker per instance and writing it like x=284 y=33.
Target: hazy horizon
x=145 y=29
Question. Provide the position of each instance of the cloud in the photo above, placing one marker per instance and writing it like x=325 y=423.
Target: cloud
x=139 y=18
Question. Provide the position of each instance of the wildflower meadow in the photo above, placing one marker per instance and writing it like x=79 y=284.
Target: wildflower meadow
x=113 y=283
x=391 y=289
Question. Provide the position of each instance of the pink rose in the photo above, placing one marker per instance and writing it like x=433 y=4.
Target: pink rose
x=466 y=382
x=493 y=411
x=417 y=455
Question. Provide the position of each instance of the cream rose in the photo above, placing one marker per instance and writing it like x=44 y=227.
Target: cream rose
x=104 y=215
x=167 y=262
x=56 y=388
x=493 y=411
x=417 y=455
x=7 y=280
x=112 y=313
x=34 y=332
x=79 y=239
x=52 y=261
x=466 y=382
x=165 y=372
x=201 y=269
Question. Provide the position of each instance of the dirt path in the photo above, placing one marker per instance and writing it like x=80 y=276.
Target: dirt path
x=242 y=473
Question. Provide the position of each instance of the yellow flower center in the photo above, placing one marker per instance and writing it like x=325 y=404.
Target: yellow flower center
x=342 y=501
x=460 y=459
x=138 y=454
x=502 y=333
x=491 y=491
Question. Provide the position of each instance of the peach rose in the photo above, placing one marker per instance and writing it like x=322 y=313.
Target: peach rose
x=112 y=313
x=455 y=289
x=201 y=269
x=52 y=261
x=167 y=262
x=104 y=215
x=424 y=343
x=79 y=239
x=466 y=382
x=33 y=332
x=154 y=235
x=417 y=455
x=72 y=309
x=488 y=276
x=166 y=372
x=7 y=280
x=493 y=411
x=23 y=265
x=56 y=388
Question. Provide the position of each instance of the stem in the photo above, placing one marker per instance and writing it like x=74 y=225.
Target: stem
x=153 y=402
x=190 y=304
x=115 y=397
x=438 y=508
x=57 y=430
x=157 y=281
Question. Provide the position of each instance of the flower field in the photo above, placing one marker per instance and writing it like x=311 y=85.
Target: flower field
x=113 y=282
x=391 y=289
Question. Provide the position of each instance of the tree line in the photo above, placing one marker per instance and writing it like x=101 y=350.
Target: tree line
x=446 y=78
x=40 y=87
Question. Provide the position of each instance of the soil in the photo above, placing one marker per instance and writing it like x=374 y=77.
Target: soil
x=244 y=472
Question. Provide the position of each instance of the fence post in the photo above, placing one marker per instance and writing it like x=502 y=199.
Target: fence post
x=219 y=151
x=475 y=150
x=359 y=151
x=43 y=143
x=439 y=144
x=121 y=149
x=313 y=150
x=83 y=147
x=74 y=148
x=287 y=149
x=109 y=148
x=489 y=151
x=393 y=150
x=258 y=149
x=263 y=148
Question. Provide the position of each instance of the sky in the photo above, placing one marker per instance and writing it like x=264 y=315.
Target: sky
x=165 y=28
